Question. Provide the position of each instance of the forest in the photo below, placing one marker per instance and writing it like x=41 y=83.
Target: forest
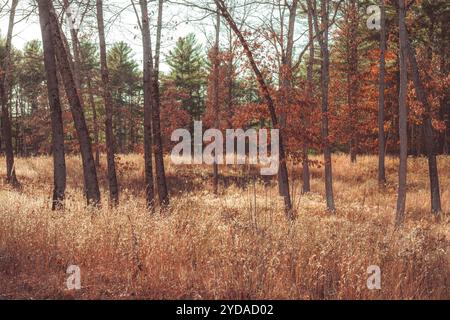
x=95 y=94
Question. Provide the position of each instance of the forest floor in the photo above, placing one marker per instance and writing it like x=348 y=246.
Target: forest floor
x=237 y=245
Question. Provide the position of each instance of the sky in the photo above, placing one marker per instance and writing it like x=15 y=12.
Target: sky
x=121 y=24
x=119 y=27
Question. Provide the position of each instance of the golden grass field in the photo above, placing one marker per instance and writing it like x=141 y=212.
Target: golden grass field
x=235 y=246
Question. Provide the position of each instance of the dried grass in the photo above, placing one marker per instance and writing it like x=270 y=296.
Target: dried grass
x=235 y=246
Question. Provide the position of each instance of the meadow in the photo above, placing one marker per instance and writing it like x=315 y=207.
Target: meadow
x=237 y=245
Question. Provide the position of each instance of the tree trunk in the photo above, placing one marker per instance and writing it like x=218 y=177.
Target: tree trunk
x=215 y=70
x=89 y=170
x=306 y=175
x=148 y=94
x=107 y=98
x=230 y=81
x=323 y=40
x=59 y=162
x=428 y=133
x=95 y=122
x=403 y=116
x=11 y=177
x=161 y=182
x=381 y=106
x=352 y=91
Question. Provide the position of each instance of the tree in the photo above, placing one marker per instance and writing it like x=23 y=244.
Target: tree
x=306 y=175
x=11 y=177
x=89 y=170
x=107 y=98
x=124 y=77
x=163 y=193
x=352 y=16
x=403 y=115
x=266 y=95
x=148 y=95
x=322 y=35
x=428 y=132
x=188 y=73
x=382 y=103
x=216 y=89
x=59 y=162
x=89 y=68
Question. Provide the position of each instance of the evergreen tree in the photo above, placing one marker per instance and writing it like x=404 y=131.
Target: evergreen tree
x=188 y=74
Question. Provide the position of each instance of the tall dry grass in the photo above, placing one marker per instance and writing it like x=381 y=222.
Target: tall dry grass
x=234 y=246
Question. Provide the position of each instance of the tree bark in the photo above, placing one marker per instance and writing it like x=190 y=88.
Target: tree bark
x=323 y=40
x=403 y=116
x=381 y=102
x=95 y=122
x=161 y=182
x=428 y=133
x=11 y=177
x=215 y=70
x=310 y=79
x=89 y=170
x=352 y=80
x=148 y=94
x=107 y=98
x=283 y=172
x=59 y=162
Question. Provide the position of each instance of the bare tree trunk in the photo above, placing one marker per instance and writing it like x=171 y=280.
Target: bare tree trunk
x=161 y=182
x=215 y=70
x=428 y=133
x=110 y=141
x=283 y=172
x=352 y=78
x=323 y=40
x=403 y=116
x=286 y=73
x=148 y=94
x=95 y=122
x=230 y=82
x=11 y=177
x=89 y=170
x=381 y=112
x=310 y=79
x=59 y=162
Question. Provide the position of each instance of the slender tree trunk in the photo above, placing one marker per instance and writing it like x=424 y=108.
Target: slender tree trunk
x=161 y=182
x=305 y=119
x=11 y=177
x=323 y=40
x=59 y=162
x=95 y=122
x=381 y=106
x=428 y=133
x=215 y=70
x=230 y=82
x=89 y=170
x=148 y=95
x=403 y=116
x=107 y=98
x=283 y=172
x=354 y=88
x=286 y=73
